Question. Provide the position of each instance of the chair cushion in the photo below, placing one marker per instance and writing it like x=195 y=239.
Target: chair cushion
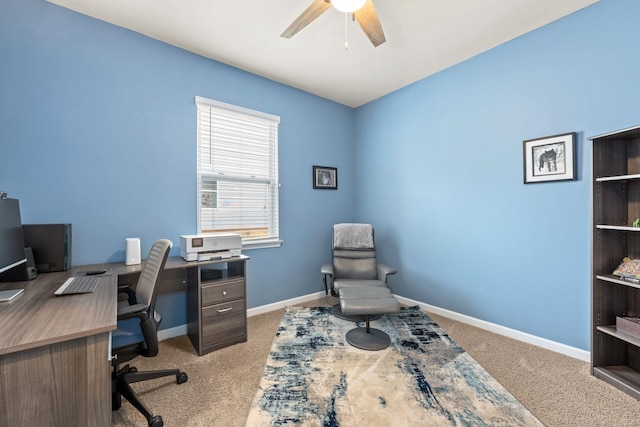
x=363 y=306
x=127 y=333
x=350 y=283
x=372 y=292
x=358 y=265
x=354 y=253
x=362 y=301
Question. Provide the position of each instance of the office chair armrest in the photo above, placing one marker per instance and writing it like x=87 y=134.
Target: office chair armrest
x=384 y=270
x=327 y=269
x=131 y=293
x=131 y=311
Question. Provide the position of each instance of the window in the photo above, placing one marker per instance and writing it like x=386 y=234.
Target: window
x=238 y=172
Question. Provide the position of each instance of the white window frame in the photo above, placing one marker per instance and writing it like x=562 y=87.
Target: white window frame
x=237 y=167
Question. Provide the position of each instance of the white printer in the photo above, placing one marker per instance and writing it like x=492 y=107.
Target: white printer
x=205 y=247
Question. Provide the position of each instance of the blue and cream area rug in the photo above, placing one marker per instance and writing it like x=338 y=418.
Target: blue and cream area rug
x=313 y=377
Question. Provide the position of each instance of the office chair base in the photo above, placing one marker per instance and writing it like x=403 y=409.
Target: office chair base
x=372 y=340
x=122 y=378
x=152 y=420
x=336 y=310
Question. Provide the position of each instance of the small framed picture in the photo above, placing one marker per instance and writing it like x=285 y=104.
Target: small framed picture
x=325 y=177
x=208 y=199
x=551 y=158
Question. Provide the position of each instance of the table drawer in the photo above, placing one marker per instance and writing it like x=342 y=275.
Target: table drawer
x=223 y=321
x=173 y=280
x=222 y=292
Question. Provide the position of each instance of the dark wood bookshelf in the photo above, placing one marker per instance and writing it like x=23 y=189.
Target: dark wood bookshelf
x=615 y=356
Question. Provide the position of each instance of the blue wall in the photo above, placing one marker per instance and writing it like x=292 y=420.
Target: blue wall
x=97 y=128
x=439 y=169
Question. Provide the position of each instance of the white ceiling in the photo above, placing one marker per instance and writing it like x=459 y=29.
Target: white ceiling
x=423 y=37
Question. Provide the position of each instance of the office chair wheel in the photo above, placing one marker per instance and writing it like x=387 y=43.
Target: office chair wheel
x=156 y=421
x=182 y=378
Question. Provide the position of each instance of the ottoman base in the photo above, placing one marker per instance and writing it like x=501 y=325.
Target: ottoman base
x=373 y=339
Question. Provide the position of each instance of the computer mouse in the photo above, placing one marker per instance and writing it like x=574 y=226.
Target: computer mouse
x=95 y=272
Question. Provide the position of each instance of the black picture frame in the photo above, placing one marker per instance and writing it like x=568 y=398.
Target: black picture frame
x=551 y=158
x=325 y=178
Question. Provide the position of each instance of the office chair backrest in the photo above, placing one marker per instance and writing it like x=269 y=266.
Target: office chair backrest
x=147 y=291
x=354 y=254
x=151 y=271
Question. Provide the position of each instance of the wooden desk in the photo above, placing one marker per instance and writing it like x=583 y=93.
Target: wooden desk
x=54 y=351
x=54 y=354
x=216 y=306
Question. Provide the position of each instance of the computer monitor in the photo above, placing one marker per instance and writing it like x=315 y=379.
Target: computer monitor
x=12 y=254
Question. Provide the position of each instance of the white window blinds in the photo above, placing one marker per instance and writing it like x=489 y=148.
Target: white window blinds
x=237 y=171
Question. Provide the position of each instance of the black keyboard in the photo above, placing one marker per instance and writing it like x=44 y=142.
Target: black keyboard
x=78 y=285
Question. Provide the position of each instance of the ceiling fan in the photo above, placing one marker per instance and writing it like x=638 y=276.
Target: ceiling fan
x=366 y=16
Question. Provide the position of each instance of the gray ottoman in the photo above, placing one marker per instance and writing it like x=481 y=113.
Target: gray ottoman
x=342 y=284
x=367 y=302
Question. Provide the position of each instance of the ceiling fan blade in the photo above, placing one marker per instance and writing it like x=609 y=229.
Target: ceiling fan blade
x=367 y=17
x=317 y=8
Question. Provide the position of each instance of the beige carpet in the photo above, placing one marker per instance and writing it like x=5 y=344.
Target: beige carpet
x=557 y=389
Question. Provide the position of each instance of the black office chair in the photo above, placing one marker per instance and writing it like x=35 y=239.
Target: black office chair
x=137 y=314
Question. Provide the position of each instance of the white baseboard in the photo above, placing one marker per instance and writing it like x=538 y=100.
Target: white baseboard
x=492 y=327
x=282 y=304
x=574 y=352
x=176 y=331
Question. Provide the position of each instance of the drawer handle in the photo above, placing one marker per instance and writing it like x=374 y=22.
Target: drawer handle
x=224 y=310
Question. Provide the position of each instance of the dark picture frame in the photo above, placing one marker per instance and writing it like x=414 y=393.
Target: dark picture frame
x=551 y=158
x=325 y=177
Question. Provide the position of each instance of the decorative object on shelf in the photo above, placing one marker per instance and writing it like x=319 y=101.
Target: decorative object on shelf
x=628 y=325
x=628 y=268
x=551 y=158
x=636 y=223
x=325 y=177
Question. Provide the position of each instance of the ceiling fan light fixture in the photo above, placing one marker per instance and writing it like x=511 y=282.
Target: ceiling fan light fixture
x=348 y=6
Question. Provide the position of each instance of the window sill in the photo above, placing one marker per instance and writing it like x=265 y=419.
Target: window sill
x=262 y=244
